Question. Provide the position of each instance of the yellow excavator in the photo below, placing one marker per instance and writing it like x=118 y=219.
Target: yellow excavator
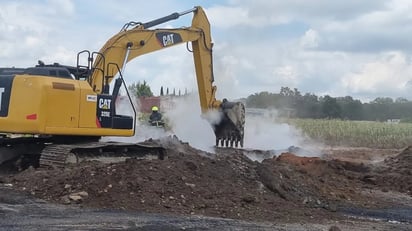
x=52 y=112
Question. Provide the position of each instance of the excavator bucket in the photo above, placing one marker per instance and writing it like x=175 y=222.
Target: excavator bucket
x=230 y=130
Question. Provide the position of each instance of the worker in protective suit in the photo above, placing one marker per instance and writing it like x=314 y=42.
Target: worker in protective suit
x=155 y=118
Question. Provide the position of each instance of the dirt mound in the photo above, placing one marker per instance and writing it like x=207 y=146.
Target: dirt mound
x=395 y=173
x=189 y=181
x=313 y=181
x=224 y=184
x=401 y=161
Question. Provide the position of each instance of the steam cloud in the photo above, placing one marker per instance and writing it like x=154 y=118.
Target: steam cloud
x=187 y=123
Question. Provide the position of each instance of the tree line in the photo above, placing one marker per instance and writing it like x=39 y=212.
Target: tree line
x=291 y=103
x=142 y=89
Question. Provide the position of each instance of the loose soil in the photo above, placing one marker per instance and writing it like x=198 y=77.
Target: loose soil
x=229 y=184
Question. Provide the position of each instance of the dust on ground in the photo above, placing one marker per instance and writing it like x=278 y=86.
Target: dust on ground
x=228 y=184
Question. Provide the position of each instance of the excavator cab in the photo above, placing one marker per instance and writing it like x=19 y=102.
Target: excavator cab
x=107 y=116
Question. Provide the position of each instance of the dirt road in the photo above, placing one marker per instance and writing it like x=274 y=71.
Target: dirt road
x=19 y=211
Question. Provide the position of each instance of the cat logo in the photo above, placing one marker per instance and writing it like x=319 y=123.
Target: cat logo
x=167 y=39
x=105 y=104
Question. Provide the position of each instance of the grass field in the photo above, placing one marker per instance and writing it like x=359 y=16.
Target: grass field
x=356 y=133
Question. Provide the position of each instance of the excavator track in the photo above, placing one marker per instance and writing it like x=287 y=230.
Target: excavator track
x=59 y=155
x=54 y=155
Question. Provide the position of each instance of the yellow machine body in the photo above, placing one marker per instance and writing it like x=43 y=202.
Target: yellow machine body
x=54 y=105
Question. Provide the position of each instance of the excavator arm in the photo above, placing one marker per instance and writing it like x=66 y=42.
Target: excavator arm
x=130 y=43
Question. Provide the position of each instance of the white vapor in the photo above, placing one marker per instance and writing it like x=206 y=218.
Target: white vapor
x=188 y=125
x=263 y=133
x=183 y=116
x=143 y=132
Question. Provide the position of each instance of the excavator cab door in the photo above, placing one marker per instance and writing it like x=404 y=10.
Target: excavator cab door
x=106 y=108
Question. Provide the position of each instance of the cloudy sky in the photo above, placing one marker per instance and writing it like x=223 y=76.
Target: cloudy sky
x=357 y=48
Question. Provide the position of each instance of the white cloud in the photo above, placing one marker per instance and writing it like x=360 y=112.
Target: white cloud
x=61 y=7
x=29 y=30
x=242 y=16
x=387 y=75
x=171 y=68
x=310 y=39
x=60 y=55
x=286 y=76
x=227 y=17
x=32 y=41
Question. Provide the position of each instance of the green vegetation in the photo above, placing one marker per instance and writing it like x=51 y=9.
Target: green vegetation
x=355 y=133
x=342 y=120
x=140 y=89
x=292 y=104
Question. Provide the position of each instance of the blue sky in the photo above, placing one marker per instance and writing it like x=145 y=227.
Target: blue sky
x=357 y=48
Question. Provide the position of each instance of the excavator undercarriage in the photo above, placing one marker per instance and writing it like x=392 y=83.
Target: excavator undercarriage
x=22 y=152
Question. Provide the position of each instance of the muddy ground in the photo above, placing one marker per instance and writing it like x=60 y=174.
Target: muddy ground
x=343 y=189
